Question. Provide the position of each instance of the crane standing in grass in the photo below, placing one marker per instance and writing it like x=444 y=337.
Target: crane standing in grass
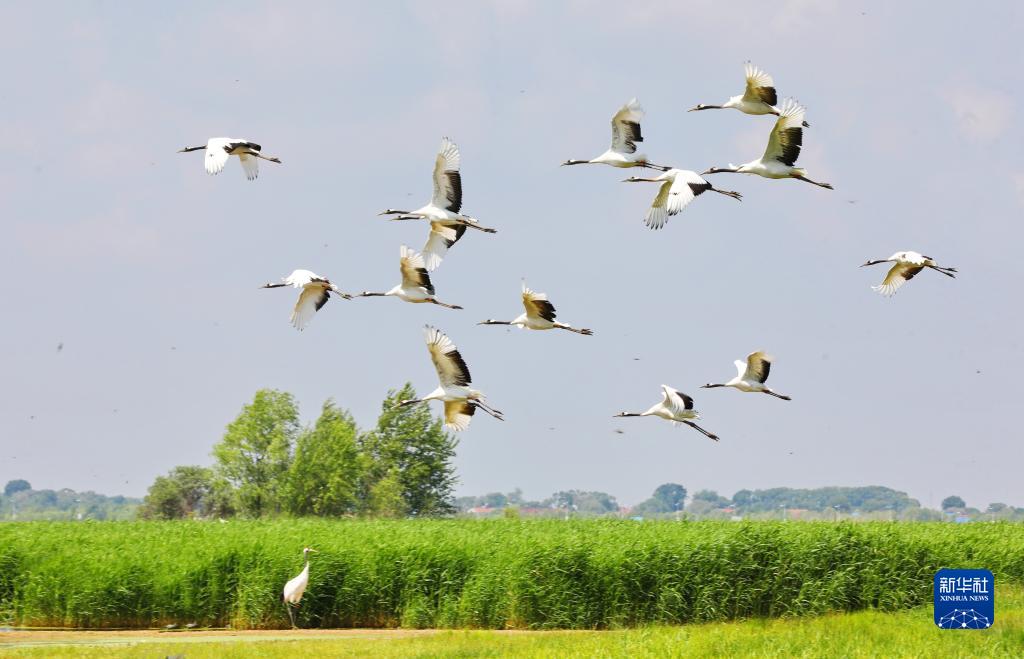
x=293 y=590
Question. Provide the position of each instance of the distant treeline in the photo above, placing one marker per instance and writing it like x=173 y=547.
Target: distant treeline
x=671 y=499
x=20 y=502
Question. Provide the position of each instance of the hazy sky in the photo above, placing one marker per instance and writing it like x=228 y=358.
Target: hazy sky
x=147 y=270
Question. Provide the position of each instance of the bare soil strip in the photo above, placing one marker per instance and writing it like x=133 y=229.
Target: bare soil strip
x=23 y=638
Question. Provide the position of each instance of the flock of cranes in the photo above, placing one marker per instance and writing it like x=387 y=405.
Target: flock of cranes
x=677 y=189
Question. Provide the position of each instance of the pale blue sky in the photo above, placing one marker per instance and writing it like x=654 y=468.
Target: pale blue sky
x=147 y=269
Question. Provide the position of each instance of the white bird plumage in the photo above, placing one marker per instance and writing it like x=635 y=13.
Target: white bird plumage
x=447 y=224
x=678 y=188
x=784 y=144
x=625 y=136
x=219 y=149
x=907 y=265
x=416 y=286
x=460 y=401
x=751 y=375
x=315 y=293
x=675 y=406
x=540 y=315
x=292 y=592
x=758 y=97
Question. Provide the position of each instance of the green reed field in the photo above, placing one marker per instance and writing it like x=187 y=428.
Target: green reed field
x=586 y=574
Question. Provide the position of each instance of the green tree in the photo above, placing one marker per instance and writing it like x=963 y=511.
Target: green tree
x=186 y=491
x=386 y=497
x=953 y=502
x=15 y=486
x=410 y=447
x=327 y=470
x=256 y=451
x=714 y=499
x=667 y=498
x=583 y=502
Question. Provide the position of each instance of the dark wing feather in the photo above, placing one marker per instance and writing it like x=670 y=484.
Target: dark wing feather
x=698 y=188
x=322 y=300
x=631 y=134
x=790 y=139
x=909 y=273
x=767 y=94
x=454 y=193
x=545 y=310
x=424 y=278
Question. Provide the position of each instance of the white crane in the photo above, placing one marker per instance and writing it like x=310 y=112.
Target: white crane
x=907 y=265
x=678 y=188
x=540 y=315
x=219 y=149
x=415 y=286
x=675 y=406
x=291 y=595
x=751 y=375
x=447 y=224
x=759 y=97
x=316 y=290
x=625 y=135
x=779 y=159
x=460 y=401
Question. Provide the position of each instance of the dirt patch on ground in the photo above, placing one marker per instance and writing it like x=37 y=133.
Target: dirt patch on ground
x=103 y=637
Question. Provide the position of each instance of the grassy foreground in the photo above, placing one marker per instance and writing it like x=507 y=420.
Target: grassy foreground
x=908 y=633
x=586 y=574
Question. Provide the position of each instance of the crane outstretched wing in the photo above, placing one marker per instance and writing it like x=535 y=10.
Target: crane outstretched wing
x=447 y=180
x=674 y=196
x=218 y=149
x=760 y=86
x=313 y=296
x=626 y=127
x=451 y=368
x=787 y=135
x=440 y=239
x=676 y=400
x=251 y=165
x=458 y=414
x=537 y=304
x=898 y=275
x=414 y=272
x=758 y=365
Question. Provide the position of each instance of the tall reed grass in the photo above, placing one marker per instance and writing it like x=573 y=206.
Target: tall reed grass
x=486 y=574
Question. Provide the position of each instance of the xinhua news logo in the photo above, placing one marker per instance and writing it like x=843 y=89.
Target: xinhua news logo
x=964 y=599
